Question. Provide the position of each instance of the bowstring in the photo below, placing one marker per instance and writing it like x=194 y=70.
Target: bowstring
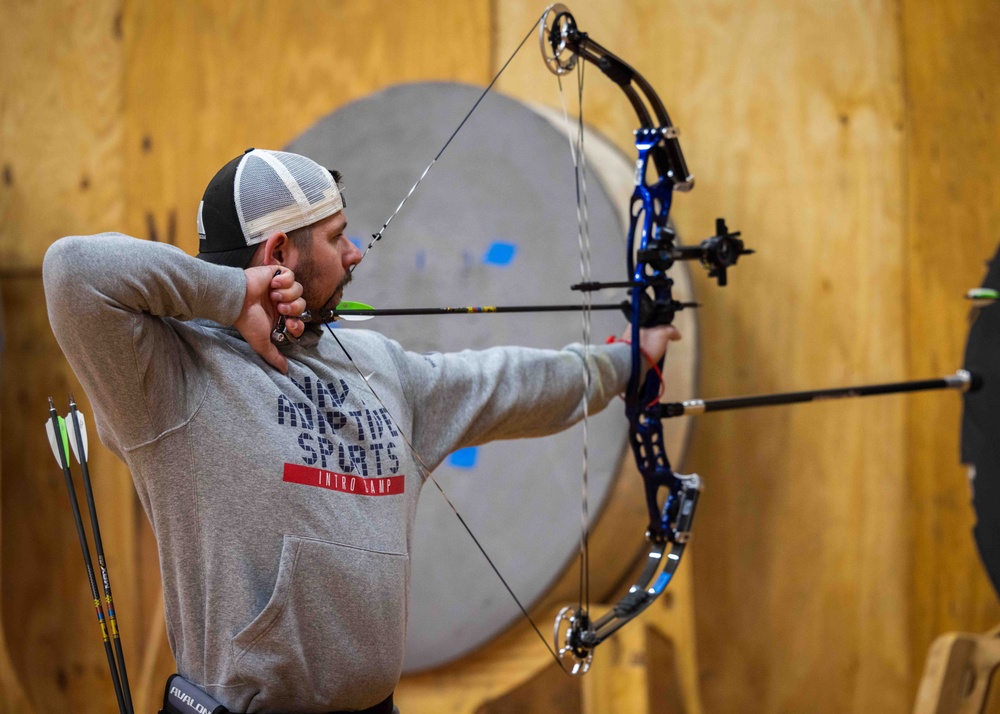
x=576 y=146
x=376 y=237
x=423 y=470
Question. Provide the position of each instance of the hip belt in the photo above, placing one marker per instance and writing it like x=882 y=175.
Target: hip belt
x=182 y=697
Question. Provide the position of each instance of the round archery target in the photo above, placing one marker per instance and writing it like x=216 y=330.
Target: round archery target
x=494 y=223
x=981 y=424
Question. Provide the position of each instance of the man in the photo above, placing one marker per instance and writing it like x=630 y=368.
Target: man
x=280 y=488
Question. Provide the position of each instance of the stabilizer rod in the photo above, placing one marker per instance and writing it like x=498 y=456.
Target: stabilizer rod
x=962 y=380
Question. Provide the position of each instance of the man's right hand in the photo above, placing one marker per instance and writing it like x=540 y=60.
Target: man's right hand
x=270 y=292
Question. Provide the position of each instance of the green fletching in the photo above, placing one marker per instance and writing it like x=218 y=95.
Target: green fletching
x=64 y=438
x=347 y=305
x=983 y=294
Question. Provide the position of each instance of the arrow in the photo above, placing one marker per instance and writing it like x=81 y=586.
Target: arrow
x=55 y=428
x=358 y=311
x=79 y=446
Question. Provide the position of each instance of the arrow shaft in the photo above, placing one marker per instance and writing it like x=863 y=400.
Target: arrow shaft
x=63 y=459
x=101 y=560
x=962 y=381
x=467 y=310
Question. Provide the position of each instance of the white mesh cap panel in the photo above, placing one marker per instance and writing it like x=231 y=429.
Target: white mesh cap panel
x=314 y=184
x=278 y=191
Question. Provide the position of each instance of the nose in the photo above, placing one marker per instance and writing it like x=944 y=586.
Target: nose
x=352 y=257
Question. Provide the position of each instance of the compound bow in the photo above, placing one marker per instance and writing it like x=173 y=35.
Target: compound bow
x=652 y=249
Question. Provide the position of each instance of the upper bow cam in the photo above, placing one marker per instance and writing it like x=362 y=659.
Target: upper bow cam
x=653 y=248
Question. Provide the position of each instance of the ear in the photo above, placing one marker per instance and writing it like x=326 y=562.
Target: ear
x=275 y=250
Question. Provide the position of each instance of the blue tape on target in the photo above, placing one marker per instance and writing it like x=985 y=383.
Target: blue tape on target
x=500 y=253
x=464 y=458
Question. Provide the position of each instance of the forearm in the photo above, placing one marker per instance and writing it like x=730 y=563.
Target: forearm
x=507 y=393
x=95 y=274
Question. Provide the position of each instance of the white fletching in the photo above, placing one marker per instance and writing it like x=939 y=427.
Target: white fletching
x=83 y=436
x=354 y=318
x=53 y=441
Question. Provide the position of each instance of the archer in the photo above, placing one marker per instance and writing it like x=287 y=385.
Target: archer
x=285 y=590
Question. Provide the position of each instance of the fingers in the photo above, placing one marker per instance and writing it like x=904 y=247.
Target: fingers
x=284 y=286
x=286 y=293
x=655 y=340
x=671 y=332
x=282 y=278
x=270 y=291
x=295 y=327
x=286 y=296
x=290 y=308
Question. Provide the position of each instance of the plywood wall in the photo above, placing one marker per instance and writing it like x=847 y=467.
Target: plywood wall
x=853 y=144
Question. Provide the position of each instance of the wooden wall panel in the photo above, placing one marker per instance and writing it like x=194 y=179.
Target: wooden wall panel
x=60 y=134
x=953 y=209
x=60 y=172
x=48 y=612
x=791 y=119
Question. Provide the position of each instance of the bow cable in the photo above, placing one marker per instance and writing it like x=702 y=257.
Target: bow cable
x=425 y=476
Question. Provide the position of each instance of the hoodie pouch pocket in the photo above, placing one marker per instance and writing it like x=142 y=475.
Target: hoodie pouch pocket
x=332 y=632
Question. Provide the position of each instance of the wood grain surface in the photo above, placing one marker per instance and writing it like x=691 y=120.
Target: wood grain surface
x=61 y=159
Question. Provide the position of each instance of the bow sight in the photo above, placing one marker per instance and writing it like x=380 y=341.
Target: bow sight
x=716 y=254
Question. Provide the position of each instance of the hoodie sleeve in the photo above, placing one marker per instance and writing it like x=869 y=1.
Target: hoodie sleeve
x=112 y=302
x=468 y=398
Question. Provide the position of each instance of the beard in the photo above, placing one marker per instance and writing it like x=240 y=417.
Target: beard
x=316 y=299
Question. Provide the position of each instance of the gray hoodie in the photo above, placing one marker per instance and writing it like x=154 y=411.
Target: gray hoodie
x=283 y=506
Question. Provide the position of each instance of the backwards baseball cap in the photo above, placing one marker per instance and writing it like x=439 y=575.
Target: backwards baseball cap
x=259 y=193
